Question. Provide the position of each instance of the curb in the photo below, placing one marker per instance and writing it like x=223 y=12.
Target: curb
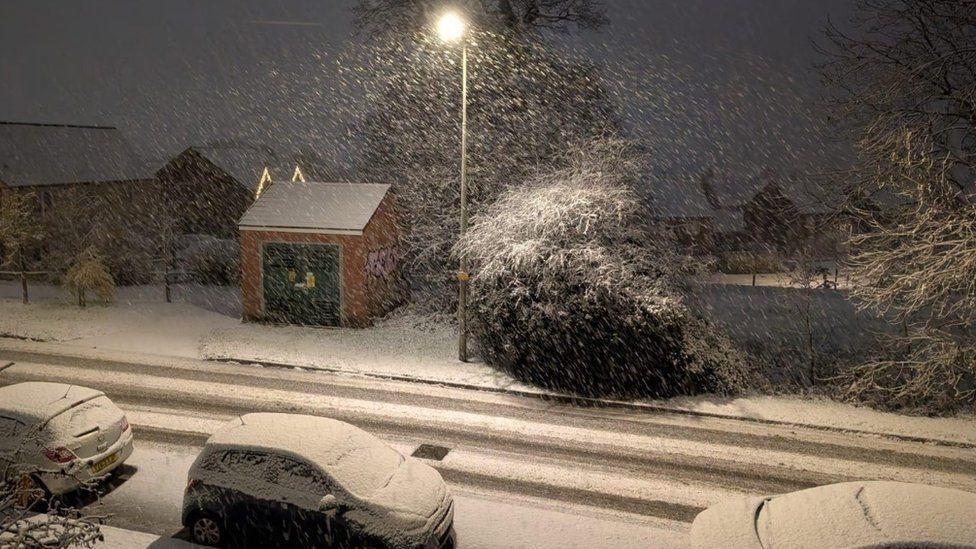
x=597 y=402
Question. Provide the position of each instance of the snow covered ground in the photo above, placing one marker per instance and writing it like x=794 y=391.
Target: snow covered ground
x=151 y=495
x=780 y=280
x=398 y=347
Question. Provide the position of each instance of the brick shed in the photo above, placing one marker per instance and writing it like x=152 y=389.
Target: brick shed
x=320 y=254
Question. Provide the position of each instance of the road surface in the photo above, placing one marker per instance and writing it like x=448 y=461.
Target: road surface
x=527 y=472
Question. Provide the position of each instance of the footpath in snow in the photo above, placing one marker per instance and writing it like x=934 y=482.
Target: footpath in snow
x=403 y=347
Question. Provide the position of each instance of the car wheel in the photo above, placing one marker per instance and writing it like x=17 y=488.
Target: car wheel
x=206 y=530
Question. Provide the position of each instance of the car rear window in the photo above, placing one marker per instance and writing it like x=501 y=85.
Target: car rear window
x=80 y=419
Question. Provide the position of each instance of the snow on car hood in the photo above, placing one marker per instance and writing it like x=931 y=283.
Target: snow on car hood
x=407 y=509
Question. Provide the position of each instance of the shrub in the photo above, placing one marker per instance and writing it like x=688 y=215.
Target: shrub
x=211 y=260
x=570 y=292
x=88 y=273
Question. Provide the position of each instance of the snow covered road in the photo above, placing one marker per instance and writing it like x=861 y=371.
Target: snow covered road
x=148 y=493
x=531 y=466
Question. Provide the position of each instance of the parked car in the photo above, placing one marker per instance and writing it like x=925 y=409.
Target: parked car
x=850 y=514
x=305 y=481
x=58 y=437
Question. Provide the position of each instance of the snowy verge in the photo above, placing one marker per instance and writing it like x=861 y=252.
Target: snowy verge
x=824 y=413
x=172 y=329
x=401 y=348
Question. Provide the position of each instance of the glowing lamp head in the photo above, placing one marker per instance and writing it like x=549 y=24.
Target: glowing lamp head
x=450 y=27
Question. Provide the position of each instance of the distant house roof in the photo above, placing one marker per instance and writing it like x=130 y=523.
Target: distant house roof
x=59 y=154
x=243 y=162
x=672 y=199
x=734 y=192
x=729 y=221
x=315 y=207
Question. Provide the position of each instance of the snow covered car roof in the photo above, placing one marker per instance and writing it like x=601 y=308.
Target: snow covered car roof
x=41 y=400
x=850 y=514
x=358 y=460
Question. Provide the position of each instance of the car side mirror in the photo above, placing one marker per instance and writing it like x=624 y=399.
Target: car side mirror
x=328 y=504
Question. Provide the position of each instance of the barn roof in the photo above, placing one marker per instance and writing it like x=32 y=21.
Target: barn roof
x=315 y=207
x=58 y=154
x=242 y=161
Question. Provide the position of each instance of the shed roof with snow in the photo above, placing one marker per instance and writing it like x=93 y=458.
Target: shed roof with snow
x=315 y=207
x=59 y=154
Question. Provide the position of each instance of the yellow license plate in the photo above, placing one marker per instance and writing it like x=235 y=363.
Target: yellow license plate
x=106 y=461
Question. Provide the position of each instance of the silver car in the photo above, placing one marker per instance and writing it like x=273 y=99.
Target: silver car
x=58 y=437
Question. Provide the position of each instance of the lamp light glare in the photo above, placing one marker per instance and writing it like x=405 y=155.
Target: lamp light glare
x=450 y=27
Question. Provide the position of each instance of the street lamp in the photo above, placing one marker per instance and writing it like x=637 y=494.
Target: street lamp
x=451 y=28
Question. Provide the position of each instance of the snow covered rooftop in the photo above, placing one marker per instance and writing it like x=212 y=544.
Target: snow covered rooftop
x=58 y=154
x=315 y=206
x=38 y=400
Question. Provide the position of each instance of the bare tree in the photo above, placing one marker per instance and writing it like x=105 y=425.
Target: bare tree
x=20 y=231
x=905 y=77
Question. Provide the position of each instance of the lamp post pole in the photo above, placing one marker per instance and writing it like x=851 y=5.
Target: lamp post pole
x=452 y=29
x=463 y=272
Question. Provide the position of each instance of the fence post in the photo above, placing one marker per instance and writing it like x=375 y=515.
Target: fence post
x=166 y=286
x=23 y=279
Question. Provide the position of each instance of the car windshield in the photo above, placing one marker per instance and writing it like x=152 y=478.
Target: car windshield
x=365 y=466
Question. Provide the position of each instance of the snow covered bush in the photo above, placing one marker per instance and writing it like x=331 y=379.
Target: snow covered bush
x=572 y=292
x=89 y=274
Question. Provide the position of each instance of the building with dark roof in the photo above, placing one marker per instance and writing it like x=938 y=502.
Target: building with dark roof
x=49 y=155
x=721 y=213
x=210 y=186
x=81 y=177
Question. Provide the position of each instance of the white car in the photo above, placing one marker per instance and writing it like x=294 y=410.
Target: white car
x=58 y=437
x=850 y=514
x=270 y=480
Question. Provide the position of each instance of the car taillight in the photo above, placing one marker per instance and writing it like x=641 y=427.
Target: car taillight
x=59 y=455
x=124 y=424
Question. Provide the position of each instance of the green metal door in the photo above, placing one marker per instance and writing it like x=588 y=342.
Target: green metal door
x=301 y=283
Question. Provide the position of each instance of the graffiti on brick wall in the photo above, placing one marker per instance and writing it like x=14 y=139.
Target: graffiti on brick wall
x=381 y=263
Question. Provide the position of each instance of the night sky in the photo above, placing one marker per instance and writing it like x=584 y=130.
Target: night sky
x=715 y=80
